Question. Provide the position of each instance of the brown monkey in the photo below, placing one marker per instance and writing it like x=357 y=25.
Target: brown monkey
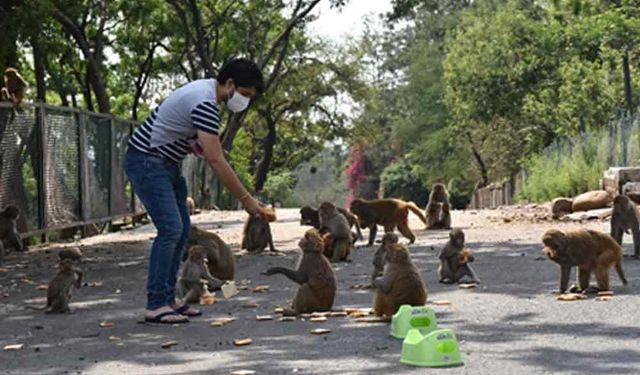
x=72 y=253
x=334 y=223
x=587 y=250
x=437 y=211
x=623 y=219
x=400 y=284
x=309 y=216
x=314 y=274
x=14 y=87
x=8 y=229
x=390 y=213
x=220 y=259
x=59 y=291
x=257 y=235
x=454 y=260
x=378 y=257
x=190 y=284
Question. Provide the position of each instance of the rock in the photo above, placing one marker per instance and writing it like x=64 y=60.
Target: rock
x=591 y=200
x=632 y=190
x=561 y=207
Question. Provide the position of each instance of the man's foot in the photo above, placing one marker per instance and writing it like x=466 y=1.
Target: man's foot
x=186 y=310
x=164 y=315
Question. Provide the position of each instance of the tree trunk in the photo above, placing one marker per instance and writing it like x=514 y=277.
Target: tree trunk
x=263 y=168
x=483 y=167
x=627 y=82
x=39 y=68
x=8 y=36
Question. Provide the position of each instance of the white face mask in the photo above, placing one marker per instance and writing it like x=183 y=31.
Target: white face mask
x=237 y=102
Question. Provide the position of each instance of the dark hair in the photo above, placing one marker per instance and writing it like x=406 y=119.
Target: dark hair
x=243 y=72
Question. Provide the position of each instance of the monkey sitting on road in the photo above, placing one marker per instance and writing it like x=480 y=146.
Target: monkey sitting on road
x=378 y=257
x=257 y=235
x=220 y=259
x=59 y=290
x=455 y=259
x=400 y=284
x=390 y=213
x=334 y=223
x=587 y=250
x=314 y=275
x=309 y=216
x=194 y=275
x=14 y=87
x=438 y=209
x=9 y=235
x=623 y=219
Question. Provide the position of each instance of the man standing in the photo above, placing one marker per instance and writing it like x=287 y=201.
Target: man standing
x=187 y=121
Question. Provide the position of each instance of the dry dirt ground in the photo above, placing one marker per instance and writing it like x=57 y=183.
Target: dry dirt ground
x=510 y=324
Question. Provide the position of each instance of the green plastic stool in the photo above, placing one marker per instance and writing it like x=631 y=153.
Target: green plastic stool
x=407 y=317
x=436 y=349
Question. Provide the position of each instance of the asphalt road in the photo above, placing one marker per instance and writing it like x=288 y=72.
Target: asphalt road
x=510 y=324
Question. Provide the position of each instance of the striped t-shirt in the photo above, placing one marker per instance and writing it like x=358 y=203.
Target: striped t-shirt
x=171 y=128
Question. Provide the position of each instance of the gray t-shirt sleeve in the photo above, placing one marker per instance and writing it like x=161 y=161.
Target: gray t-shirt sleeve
x=205 y=117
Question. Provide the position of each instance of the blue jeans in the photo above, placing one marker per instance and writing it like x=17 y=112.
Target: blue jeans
x=163 y=190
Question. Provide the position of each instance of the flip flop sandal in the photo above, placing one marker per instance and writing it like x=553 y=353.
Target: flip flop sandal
x=157 y=320
x=184 y=310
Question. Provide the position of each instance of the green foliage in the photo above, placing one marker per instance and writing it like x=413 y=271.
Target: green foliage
x=398 y=180
x=279 y=187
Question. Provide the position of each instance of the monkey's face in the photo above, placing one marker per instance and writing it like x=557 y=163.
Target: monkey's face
x=311 y=242
x=197 y=254
x=555 y=243
x=306 y=215
x=456 y=237
x=396 y=254
x=65 y=265
x=327 y=210
x=356 y=205
x=389 y=238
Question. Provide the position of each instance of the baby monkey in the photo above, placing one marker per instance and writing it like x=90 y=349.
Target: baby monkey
x=59 y=291
x=195 y=274
x=378 y=257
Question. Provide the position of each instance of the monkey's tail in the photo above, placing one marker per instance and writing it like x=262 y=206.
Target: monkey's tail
x=416 y=210
x=621 y=272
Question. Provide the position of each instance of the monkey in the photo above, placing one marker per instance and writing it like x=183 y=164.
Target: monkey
x=378 y=257
x=390 y=213
x=438 y=209
x=190 y=284
x=206 y=199
x=59 y=290
x=191 y=204
x=256 y=235
x=309 y=216
x=315 y=276
x=72 y=253
x=589 y=251
x=454 y=260
x=334 y=223
x=623 y=219
x=220 y=259
x=400 y=284
x=8 y=229
x=14 y=87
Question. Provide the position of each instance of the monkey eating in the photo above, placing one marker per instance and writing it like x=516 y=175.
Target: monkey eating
x=73 y=253
x=315 y=276
x=378 y=257
x=390 y=213
x=624 y=218
x=455 y=259
x=438 y=208
x=589 y=251
x=194 y=275
x=9 y=235
x=309 y=216
x=220 y=259
x=400 y=284
x=334 y=223
x=59 y=290
x=256 y=235
x=14 y=87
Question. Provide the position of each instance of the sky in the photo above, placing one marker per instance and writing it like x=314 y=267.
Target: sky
x=337 y=24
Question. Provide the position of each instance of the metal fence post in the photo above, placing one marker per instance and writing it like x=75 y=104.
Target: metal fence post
x=82 y=163
x=42 y=160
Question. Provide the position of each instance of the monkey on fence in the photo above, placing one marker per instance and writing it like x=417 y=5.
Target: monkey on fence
x=14 y=87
